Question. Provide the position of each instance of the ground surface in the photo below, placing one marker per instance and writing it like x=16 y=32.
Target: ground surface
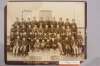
x=43 y=56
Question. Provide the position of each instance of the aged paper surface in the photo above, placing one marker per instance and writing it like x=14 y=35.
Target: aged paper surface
x=46 y=31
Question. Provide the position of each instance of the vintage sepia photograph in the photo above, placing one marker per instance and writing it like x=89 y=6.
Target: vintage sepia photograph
x=45 y=32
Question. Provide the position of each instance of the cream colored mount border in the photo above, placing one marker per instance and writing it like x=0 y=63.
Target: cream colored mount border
x=69 y=62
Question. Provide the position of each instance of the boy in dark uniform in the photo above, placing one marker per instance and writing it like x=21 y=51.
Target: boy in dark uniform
x=32 y=43
x=60 y=23
x=34 y=21
x=23 y=27
x=79 y=39
x=80 y=43
x=48 y=22
x=29 y=25
x=74 y=28
x=74 y=46
x=12 y=40
x=55 y=45
x=47 y=46
x=68 y=26
x=17 y=45
x=16 y=25
x=57 y=28
x=46 y=30
x=22 y=47
x=67 y=23
x=65 y=46
x=41 y=22
x=54 y=22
